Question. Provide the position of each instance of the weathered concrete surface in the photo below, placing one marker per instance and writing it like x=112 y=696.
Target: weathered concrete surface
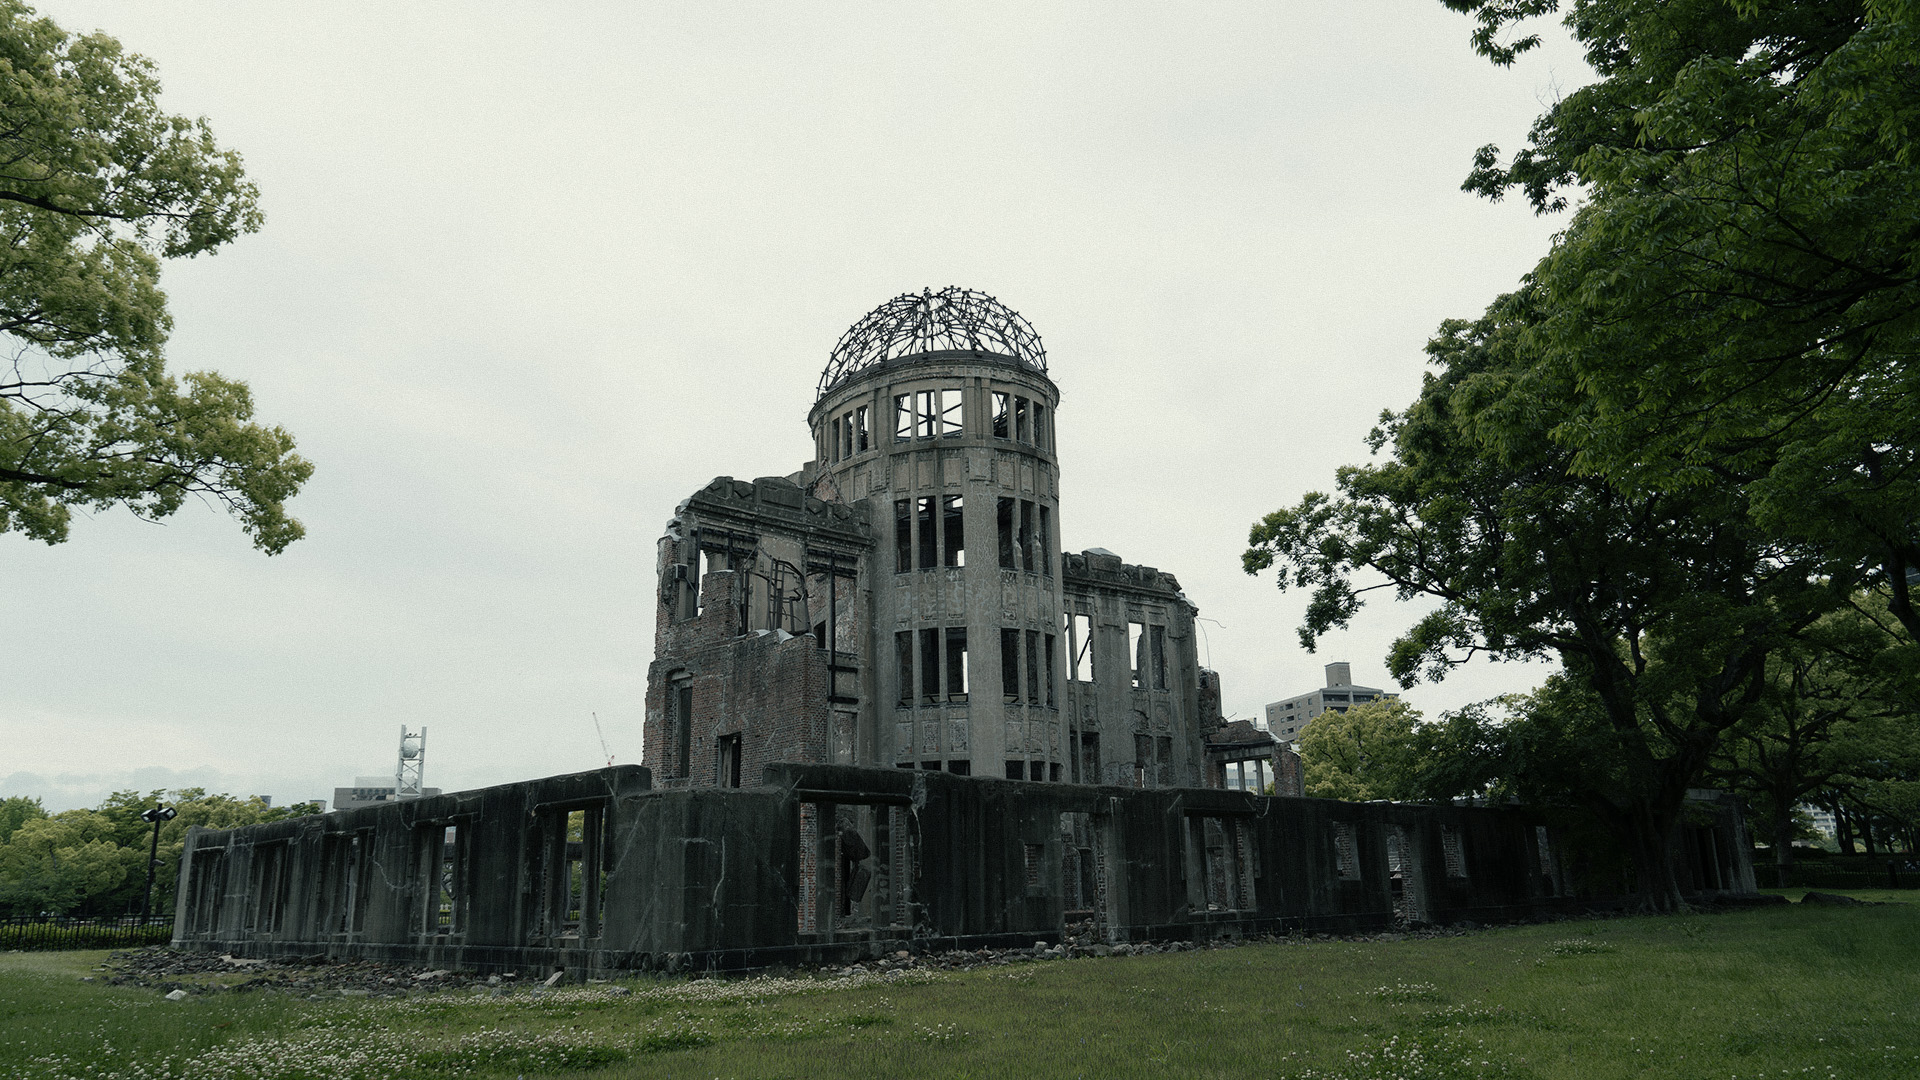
x=597 y=872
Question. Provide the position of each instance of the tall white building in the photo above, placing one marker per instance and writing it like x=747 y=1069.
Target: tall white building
x=1288 y=719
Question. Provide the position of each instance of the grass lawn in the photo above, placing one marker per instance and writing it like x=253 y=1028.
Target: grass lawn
x=1787 y=991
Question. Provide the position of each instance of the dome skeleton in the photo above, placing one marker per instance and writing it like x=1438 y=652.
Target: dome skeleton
x=953 y=319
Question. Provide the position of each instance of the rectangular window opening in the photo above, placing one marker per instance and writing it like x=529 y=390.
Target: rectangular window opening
x=929 y=536
x=726 y=771
x=1047 y=677
x=926 y=411
x=1019 y=419
x=1000 y=428
x=902 y=417
x=681 y=703
x=1080 y=638
x=953 y=529
x=956 y=663
x=930 y=666
x=1033 y=667
x=1036 y=771
x=1016 y=769
x=1010 y=665
x=902 y=535
x=1003 y=519
x=960 y=767
x=1159 y=642
x=836 y=438
x=1041 y=437
x=1045 y=541
x=862 y=435
x=953 y=413
x=1025 y=540
x=1137 y=652
x=903 y=655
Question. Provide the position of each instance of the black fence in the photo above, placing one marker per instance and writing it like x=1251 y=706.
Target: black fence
x=1901 y=872
x=42 y=933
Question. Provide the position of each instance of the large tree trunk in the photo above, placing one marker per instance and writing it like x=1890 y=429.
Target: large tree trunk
x=1783 y=847
x=1650 y=837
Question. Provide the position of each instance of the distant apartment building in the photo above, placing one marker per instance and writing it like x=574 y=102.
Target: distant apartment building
x=1288 y=719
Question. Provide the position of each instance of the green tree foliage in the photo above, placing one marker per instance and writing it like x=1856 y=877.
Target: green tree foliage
x=1371 y=751
x=17 y=810
x=93 y=862
x=1739 y=292
x=1833 y=699
x=97 y=186
x=1662 y=605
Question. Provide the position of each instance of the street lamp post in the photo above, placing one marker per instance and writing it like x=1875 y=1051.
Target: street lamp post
x=159 y=815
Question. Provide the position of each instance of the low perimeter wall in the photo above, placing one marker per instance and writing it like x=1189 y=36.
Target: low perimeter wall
x=596 y=872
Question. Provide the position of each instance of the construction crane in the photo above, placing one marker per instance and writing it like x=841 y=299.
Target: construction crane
x=607 y=750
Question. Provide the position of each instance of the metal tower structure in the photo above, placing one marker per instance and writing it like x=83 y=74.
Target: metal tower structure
x=408 y=776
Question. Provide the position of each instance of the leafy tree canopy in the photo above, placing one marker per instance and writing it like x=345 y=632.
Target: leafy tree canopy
x=1739 y=292
x=1371 y=751
x=97 y=185
x=1662 y=605
x=93 y=862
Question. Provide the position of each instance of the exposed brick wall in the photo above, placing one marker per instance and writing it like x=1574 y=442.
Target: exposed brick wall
x=769 y=688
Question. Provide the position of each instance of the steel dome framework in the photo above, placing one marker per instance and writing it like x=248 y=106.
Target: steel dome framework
x=951 y=320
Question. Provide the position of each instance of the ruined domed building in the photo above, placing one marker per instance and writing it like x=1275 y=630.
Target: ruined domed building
x=886 y=711
x=903 y=601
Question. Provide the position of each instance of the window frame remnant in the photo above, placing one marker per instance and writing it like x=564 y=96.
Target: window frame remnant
x=1033 y=667
x=903 y=654
x=953 y=530
x=1045 y=540
x=956 y=640
x=1024 y=540
x=902 y=535
x=903 y=417
x=953 y=417
x=728 y=751
x=1080 y=638
x=1002 y=414
x=1052 y=698
x=925 y=506
x=1010 y=665
x=680 y=704
x=930 y=644
x=1003 y=520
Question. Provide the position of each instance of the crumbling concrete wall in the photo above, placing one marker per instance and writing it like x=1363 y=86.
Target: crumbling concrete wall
x=746 y=670
x=1136 y=701
x=598 y=872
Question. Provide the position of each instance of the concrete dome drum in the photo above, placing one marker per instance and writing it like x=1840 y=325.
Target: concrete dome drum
x=948 y=321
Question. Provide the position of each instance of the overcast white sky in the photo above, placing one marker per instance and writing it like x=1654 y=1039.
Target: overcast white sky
x=532 y=274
